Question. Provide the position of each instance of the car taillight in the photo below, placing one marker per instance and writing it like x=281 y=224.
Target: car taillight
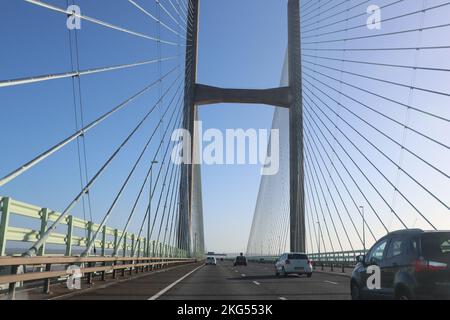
x=288 y=262
x=436 y=266
x=421 y=265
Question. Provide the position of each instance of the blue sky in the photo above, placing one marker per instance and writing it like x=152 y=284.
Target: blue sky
x=241 y=44
x=232 y=52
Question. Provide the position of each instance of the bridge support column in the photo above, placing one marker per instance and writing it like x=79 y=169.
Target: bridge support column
x=297 y=198
x=186 y=185
x=290 y=97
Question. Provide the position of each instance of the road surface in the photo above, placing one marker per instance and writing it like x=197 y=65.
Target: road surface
x=198 y=282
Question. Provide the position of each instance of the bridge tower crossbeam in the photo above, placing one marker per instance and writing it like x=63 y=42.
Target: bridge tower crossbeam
x=287 y=97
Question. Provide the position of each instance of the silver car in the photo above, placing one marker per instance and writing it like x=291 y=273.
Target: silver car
x=211 y=261
x=293 y=263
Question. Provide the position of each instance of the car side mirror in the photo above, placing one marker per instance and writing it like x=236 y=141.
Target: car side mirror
x=361 y=258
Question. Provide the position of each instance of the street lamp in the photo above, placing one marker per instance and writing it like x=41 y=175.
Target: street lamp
x=195 y=244
x=279 y=245
x=364 y=230
x=150 y=206
x=318 y=238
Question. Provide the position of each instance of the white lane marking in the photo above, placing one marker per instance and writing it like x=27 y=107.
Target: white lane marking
x=159 y=294
x=235 y=271
x=330 y=282
x=257 y=283
x=283 y=298
x=243 y=275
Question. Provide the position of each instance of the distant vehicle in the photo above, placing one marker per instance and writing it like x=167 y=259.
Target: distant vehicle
x=293 y=263
x=414 y=264
x=240 y=261
x=211 y=261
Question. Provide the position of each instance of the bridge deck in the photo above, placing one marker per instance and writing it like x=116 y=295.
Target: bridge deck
x=255 y=282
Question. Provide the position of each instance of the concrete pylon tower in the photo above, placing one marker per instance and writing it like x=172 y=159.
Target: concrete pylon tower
x=296 y=139
x=191 y=215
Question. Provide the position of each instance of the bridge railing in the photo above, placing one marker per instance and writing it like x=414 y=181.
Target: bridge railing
x=72 y=234
x=32 y=270
x=339 y=260
x=336 y=257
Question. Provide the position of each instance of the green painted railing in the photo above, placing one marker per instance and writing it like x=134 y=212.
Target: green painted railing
x=342 y=257
x=69 y=239
x=336 y=257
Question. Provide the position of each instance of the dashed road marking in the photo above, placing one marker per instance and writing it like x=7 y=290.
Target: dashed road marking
x=331 y=282
x=243 y=275
x=159 y=294
x=283 y=298
x=257 y=283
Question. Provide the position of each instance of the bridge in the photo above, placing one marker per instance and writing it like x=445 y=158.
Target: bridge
x=102 y=153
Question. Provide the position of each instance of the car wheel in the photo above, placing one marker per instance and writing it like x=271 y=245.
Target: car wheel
x=403 y=294
x=355 y=291
x=309 y=275
x=284 y=272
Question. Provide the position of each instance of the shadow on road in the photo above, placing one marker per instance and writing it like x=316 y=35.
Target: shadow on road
x=267 y=277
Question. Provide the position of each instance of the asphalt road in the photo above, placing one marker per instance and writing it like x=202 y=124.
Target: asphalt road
x=198 y=282
x=257 y=282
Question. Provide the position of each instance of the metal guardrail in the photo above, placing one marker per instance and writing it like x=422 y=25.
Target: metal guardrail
x=336 y=257
x=69 y=239
x=88 y=267
x=333 y=260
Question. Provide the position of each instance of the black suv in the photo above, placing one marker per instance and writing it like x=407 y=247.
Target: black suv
x=240 y=261
x=413 y=264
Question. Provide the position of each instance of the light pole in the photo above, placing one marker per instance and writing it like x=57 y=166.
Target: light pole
x=318 y=238
x=150 y=207
x=279 y=245
x=195 y=244
x=364 y=229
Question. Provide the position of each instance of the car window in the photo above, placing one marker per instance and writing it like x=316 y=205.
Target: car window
x=297 y=256
x=436 y=246
x=414 y=247
x=395 y=249
x=376 y=254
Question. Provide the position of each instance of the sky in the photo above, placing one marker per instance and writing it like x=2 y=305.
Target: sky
x=330 y=33
x=241 y=44
x=232 y=53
